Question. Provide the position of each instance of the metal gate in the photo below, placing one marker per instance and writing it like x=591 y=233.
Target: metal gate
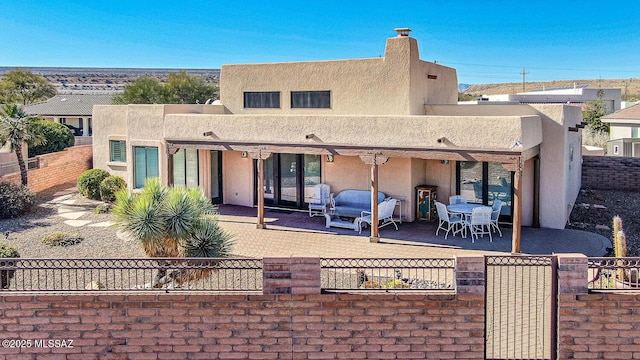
x=521 y=307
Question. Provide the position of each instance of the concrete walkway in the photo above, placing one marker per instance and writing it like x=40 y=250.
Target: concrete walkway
x=68 y=209
x=293 y=233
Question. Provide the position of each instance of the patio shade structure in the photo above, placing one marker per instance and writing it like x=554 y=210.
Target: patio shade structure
x=375 y=157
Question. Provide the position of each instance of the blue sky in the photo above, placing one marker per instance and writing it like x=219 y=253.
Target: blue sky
x=486 y=41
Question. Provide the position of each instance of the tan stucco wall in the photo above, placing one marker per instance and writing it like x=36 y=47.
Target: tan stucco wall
x=237 y=179
x=498 y=132
x=394 y=84
x=620 y=131
x=112 y=125
x=560 y=177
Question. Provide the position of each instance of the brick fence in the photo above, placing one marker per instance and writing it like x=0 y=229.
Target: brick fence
x=292 y=319
x=57 y=168
x=611 y=172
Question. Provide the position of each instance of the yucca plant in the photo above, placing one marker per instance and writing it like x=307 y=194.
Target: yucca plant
x=172 y=222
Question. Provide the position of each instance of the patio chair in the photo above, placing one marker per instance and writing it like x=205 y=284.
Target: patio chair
x=320 y=198
x=385 y=214
x=495 y=214
x=457 y=199
x=480 y=223
x=451 y=221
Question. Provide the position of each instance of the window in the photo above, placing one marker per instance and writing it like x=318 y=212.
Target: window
x=311 y=99
x=146 y=164
x=185 y=168
x=262 y=100
x=118 y=150
x=482 y=182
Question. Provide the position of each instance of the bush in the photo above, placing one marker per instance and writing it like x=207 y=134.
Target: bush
x=15 y=199
x=89 y=183
x=60 y=238
x=104 y=208
x=7 y=251
x=110 y=186
x=58 y=137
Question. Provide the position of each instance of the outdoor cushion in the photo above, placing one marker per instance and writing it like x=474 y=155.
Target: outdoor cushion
x=350 y=203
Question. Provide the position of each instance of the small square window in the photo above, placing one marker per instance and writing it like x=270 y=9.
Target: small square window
x=118 y=150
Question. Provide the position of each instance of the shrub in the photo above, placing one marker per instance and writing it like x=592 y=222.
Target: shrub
x=57 y=135
x=109 y=186
x=15 y=199
x=104 y=208
x=60 y=238
x=89 y=183
x=7 y=251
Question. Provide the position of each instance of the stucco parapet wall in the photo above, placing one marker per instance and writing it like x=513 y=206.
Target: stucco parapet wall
x=454 y=132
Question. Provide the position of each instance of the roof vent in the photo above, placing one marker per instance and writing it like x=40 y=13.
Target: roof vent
x=402 y=31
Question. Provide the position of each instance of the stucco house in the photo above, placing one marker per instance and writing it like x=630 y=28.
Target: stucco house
x=578 y=95
x=75 y=110
x=624 y=132
x=387 y=124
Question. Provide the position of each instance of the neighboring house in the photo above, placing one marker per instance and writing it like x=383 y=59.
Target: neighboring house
x=73 y=110
x=577 y=96
x=390 y=124
x=624 y=132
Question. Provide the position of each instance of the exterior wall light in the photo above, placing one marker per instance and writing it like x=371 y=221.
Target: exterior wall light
x=244 y=154
x=444 y=162
x=330 y=158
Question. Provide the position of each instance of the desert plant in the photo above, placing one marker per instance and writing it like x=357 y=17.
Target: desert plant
x=58 y=137
x=6 y=275
x=60 y=238
x=595 y=138
x=171 y=222
x=109 y=186
x=16 y=127
x=104 y=208
x=15 y=199
x=89 y=183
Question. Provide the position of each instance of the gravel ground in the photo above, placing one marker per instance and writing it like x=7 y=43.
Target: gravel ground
x=598 y=207
x=26 y=232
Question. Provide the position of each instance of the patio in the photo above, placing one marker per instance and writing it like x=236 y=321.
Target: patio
x=293 y=233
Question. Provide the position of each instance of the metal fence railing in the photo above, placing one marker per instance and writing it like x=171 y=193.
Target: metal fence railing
x=340 y=274
x=214 y=274
x=607 y=273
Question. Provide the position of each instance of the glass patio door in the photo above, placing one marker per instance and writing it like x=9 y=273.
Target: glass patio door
x=289 y=179
x=216 y=176
x=482 y=182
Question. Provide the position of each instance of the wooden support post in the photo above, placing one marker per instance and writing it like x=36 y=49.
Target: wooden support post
x=517 y=209
x=374 y=202
x=260 y=156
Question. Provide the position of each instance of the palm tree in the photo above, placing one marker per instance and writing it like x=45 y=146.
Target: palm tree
x=16 y=128
x=172 y=222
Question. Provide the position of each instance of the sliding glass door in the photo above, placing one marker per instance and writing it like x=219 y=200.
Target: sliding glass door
x=482 y=182
x=289 y=179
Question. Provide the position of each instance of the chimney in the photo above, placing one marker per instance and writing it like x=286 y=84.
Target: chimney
x=402 y=31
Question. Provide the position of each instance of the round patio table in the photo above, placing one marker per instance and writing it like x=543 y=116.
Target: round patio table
x=465 y=210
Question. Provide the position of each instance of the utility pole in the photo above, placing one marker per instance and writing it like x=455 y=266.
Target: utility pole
x=523 y=73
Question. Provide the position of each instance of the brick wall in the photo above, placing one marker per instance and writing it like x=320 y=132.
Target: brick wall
x=611 y=173
x=293 y=320
x=290 y=320
x=597 y=325
x=57 y=168
x=181 y=326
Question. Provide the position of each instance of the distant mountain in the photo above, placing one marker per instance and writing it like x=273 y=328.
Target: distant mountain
x=463 y=87
x=630 y=87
